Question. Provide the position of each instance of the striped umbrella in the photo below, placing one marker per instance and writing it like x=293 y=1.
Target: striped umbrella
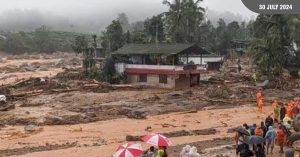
x=129 y=150
x=157 y=140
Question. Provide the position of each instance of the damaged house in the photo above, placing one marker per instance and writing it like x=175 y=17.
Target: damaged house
x=161 y=65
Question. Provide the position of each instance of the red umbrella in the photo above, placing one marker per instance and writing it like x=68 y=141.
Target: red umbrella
x=157 y=140
x=129 y=150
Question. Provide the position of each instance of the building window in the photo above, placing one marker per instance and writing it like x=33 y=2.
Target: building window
x=163 y=79
x=143 y=78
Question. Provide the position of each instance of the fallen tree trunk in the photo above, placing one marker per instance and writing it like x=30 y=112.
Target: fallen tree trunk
x=230 y=100
x=29 y=93
x=64 y=90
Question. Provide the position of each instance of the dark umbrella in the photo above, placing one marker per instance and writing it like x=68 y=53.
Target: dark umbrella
x=293 y=138
x=254 y=140
x=242 y=131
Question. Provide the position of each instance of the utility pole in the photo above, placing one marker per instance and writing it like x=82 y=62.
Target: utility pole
x=156 y=41
x=156 y=35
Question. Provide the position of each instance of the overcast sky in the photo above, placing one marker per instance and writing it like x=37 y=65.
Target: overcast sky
x=134 y=8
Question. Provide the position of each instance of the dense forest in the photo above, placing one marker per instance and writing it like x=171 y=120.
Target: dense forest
x=275 y=44
x=192 y=27
x=42 y=40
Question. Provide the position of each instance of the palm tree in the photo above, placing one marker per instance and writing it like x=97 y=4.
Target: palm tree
x=173 y=18
x=183 y=19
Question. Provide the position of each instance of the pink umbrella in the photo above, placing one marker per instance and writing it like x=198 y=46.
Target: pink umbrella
x=157 y=140
x=129 y=150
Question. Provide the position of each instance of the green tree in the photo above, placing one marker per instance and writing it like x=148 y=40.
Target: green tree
x=233 y=30
x=183 y=19
x=56 y=41
x=207 y=36
x=138 y=34
x=222 y=38
x=80 y=44
x=155 y=27
x=276 y=34
x=43 y=40
x=127 y=37
x=267 y=55
x=138 y=37
x=15 y=44
x=123 y=19
x=108 y=72
x=112 y=37
x=244 y=32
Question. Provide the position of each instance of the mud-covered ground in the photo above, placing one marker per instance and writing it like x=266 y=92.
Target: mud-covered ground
x=76 y=117
x=104 y=136
x=208 y=130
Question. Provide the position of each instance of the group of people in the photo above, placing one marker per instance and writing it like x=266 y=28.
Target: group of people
x=187 y=151
x=281 y=110
x=153 y=152
x=266 y=131
x=285 y=111
x=269 y=134
x=272 y=130
x=283 y=115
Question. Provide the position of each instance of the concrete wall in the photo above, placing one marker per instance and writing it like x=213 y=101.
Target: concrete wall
x=156 y=67
x=152 y=80
x=205 y=59
x=120 y=67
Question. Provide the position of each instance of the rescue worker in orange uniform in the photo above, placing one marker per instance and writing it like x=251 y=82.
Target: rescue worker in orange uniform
x=258 y=95
x=260 y=105
x=259 y=100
